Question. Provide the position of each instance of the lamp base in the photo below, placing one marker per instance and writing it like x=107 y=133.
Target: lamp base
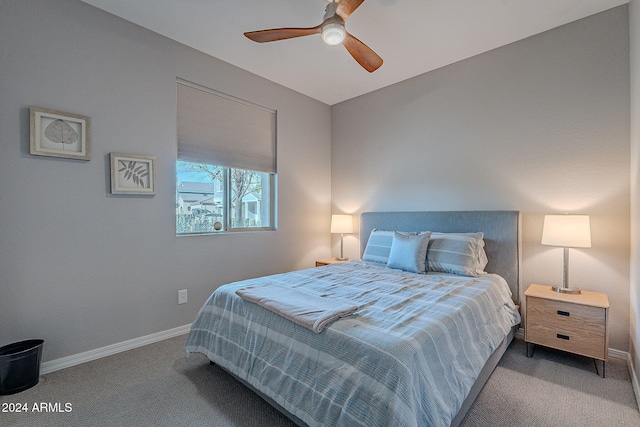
x=566 y=290
x=339 y=258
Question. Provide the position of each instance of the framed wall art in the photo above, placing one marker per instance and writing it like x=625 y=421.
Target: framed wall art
x=132 y=174
x=58 y=134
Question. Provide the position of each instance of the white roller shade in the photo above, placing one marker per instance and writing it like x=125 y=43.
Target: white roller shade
x=221 y=130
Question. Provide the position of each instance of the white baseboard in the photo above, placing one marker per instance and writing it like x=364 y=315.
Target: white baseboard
x=87 y=356
x=634 y=378
x=618 y=354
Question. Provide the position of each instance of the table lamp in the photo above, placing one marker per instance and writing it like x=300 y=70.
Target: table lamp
x=567 y=231
x=341 y=224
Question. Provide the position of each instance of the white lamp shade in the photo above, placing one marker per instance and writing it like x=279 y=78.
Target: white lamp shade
x=569 y=231
x=341 y=223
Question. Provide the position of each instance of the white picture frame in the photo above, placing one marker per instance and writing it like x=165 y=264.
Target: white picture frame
x=133 y=174
x=59 y=134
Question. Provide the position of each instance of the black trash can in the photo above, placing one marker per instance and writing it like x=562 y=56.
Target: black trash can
x=20 y=366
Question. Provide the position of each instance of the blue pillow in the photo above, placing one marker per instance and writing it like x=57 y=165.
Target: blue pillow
x=409 y=252
x=378 y=246
x=457 y=253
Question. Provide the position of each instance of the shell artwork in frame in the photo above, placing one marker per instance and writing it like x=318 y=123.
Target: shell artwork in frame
x=132 y=174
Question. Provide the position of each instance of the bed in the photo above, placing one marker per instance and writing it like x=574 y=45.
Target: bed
x=417 y=350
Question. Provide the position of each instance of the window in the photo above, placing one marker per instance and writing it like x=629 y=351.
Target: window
x=225 y=172
x=215 y=198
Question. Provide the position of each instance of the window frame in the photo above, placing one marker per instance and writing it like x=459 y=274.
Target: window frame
x=228 y=207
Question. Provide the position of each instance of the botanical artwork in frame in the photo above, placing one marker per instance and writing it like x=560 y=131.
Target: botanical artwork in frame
x=132 y=174
x=57 y=134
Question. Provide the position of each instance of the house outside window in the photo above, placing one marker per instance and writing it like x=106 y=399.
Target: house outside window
x=210 y=199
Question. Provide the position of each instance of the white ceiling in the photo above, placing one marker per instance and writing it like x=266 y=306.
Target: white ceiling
x=412 y=36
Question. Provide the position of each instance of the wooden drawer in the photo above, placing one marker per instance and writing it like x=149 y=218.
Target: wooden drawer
x=566 y=326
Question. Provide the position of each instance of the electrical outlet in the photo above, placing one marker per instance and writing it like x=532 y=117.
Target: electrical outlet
x=182 y=296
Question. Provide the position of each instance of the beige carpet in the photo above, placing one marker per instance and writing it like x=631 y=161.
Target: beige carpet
x=159 y=385
x=554 y=389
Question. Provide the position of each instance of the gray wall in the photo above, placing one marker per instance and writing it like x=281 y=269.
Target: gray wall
x=540 y=125
x=634 y=315
x=83 y=269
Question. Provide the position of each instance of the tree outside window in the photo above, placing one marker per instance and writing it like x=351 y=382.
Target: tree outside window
x=211 y=199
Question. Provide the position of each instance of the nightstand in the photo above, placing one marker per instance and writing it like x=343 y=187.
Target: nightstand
x=577 y=323
x=328 y=261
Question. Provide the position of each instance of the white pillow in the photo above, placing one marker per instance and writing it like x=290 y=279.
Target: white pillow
x=409 y=252
x=482 y=260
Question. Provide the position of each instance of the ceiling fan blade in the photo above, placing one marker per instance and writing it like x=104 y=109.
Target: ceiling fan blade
x=274 y=34
x=367 y=58
x=346 y=7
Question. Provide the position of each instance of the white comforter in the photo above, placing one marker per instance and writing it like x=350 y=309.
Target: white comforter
x=407 y=357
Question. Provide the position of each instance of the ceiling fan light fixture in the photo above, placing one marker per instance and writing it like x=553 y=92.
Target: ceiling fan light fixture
x=333 y=33
x=331 y=30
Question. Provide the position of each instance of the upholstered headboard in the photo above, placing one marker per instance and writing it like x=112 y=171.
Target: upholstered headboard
x=500 y=228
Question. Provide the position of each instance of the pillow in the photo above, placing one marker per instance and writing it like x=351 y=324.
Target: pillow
x=457 y=253
x=409 y=252
x=378 y=246
x=482 y=260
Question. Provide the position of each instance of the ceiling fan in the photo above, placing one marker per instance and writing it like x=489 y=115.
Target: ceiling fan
x=332 y=30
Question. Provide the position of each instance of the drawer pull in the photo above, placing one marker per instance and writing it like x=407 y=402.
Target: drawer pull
x=563 y=337
x=564 y=313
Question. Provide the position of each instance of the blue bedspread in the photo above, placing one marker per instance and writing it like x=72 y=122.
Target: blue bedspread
x=407 y=357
